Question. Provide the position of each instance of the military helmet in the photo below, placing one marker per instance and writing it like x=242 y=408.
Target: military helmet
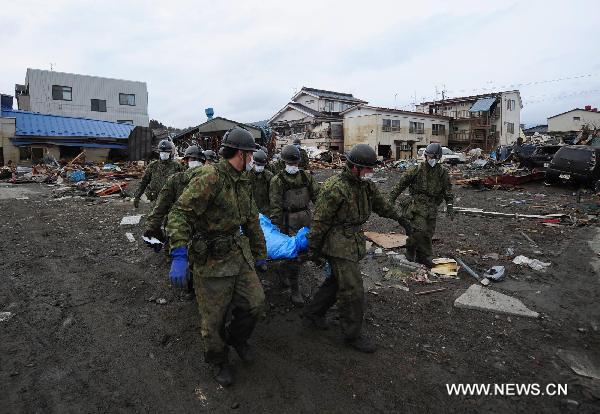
x=265 y=150
x=362 y=155
x=290 y=153
x=193 y=151
x=210 y=155
x=165 y=146
x=239 y=138
x=259 y=157
x=296 y=141
x=434 y=150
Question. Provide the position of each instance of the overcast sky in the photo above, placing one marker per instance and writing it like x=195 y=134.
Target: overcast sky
x=247 y=58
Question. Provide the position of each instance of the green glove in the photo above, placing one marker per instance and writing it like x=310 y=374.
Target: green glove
x=450 y=211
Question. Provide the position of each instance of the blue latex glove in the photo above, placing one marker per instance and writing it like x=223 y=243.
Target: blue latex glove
x=261 y=265
x=179 y=267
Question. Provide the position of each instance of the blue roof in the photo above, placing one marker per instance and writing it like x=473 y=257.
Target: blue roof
x=68 y=143
x=43 y=125
x=482 y=104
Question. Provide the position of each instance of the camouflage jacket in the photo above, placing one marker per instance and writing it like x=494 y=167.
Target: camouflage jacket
x=427 y=186
x=155 y=176
x=208 y=216
x=261 y=183
x=345 y=203
x=168 y=196
x=303 y=159
x=284 y=181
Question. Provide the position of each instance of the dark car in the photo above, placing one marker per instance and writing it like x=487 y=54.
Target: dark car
x=540 y=157
x=575 y=163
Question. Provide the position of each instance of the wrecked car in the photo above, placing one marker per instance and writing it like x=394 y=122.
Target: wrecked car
x=575 y=163
x=540 y=157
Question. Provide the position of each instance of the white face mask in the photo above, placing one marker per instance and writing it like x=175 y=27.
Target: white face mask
x=367 y=177
x=291 y=169
x=432 y=162
x=194 y=164
x=164 y=155
x=259 y=168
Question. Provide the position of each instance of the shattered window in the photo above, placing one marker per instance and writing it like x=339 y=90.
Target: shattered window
x=438 y=129
x=417 y=128
x=387 y=125
x=61 y=93
x=127 y=99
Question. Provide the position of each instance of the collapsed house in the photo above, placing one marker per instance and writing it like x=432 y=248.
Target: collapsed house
x=209 y=134
x=314 y=116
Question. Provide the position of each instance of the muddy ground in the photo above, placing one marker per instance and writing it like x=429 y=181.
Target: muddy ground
x=88 y=330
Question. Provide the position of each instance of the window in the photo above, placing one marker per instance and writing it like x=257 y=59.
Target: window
x=61 y=93
x=438 y=129
x=576 y=118
x=395 y=125
x=493 y=129
x=510 y=104
x=328 y=106
x=125 y=121
x=99 y=105
x=127 y=99
x=387 y=125
x=417 y=128
x=510 y=127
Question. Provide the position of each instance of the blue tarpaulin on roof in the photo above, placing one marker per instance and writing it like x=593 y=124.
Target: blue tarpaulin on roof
x=482 y=104
x=43 y=125
x=84 y=144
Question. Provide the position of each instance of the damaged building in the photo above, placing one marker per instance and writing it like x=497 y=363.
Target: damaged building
x=479 y=121
x=393 y=133
x=314 y=116
x=30 y=137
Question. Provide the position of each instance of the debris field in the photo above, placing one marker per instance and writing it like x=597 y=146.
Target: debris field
x=89 y=322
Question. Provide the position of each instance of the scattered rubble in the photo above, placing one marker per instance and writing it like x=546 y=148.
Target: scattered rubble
x=535 y=264
x=131 y=220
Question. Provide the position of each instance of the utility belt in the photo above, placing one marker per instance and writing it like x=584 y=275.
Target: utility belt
x=295 y=210
x=350 y=229
x=217 y=245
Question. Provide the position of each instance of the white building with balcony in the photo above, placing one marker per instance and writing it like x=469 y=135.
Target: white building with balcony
x=482 y=121
x=83 y=96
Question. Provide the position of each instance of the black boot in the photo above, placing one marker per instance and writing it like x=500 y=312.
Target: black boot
x=315 y=322
x=295 y=296
x=245 y=352
x=224 y=374
x=362 y=344
x=411 y=254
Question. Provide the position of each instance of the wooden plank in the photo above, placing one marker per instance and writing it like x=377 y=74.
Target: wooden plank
x=387 y=240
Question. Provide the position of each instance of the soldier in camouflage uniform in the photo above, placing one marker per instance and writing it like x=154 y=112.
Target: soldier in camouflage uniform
x=291 y=192
x=157 y=172
x=176 y=183
x=207 y=219
x=260 y=178
x=428 y=185
x=304 y=163
x=345 y=202
x=211 y=157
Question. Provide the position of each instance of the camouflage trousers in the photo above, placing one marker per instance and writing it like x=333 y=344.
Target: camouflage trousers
x=419 y=243
x=345 y=286
x=229 y=308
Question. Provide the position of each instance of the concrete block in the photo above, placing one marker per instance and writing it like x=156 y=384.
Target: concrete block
x=481 y=298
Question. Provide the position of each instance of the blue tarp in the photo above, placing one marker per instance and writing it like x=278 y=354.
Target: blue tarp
x=282 y=246
x=482 y=104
